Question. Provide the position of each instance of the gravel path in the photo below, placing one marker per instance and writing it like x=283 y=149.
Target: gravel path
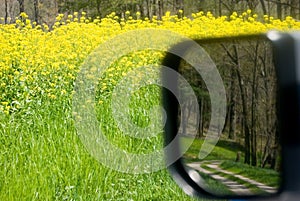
x=233 y=186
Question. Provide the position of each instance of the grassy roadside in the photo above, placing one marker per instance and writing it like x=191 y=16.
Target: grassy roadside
x=225 y=152
x=253 y=188
x=263 y=175
x=215 y=186
x=42 y=158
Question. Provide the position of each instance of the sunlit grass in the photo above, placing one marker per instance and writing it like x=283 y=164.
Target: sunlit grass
x=44 y=159
x=266 y=176
x=224 y=150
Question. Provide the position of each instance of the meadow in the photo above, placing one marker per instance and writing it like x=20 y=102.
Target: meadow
x=41 y=154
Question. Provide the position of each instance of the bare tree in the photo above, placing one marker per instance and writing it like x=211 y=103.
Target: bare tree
x=6 y=11
x=252 y=4
x=263 y=5
x=232 y=107
x=36 y=10
x=21 y=5
x=235 y=58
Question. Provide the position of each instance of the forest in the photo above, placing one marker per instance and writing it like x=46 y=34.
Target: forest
x=44 y=11
x=247 y=69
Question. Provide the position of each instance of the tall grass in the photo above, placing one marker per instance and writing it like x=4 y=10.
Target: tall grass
x=42 y=158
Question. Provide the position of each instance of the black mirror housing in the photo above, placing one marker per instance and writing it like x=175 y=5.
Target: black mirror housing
x=286 y=55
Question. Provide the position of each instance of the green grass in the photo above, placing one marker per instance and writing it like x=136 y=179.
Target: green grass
x=42 y=158
x=224 y=150
x=215 y=186
x=253 y=188
x=263 y=175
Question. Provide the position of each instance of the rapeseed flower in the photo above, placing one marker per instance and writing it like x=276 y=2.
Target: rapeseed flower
x=41 y=63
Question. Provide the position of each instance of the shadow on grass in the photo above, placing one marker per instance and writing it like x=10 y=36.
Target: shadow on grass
x=230 y=145
x=224 y=150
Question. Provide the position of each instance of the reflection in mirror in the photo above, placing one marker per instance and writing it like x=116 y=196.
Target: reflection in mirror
x=246 y=158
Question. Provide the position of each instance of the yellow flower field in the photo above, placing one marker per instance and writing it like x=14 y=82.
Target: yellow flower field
x=38 y=63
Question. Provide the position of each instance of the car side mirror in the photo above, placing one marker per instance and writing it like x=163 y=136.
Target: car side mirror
x=233 y=115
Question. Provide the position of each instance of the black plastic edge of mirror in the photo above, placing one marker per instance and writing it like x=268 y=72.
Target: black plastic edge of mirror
x=286 y=47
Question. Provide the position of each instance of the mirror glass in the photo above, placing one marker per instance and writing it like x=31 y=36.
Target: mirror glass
x=235 y=147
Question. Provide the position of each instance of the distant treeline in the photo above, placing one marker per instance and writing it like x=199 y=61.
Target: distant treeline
x=44 y=11
x=248 y=73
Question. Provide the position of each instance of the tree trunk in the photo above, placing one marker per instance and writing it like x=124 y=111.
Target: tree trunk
x=253 y=109
x=160 y=9
x=279 y=9
x=140 y=8
x=266 y=152
x=252 y=4
x=21 y=5
x=246 y=129
x=220 y=7
x=263 y=6
x=247 y=141
x=293 y=10
x=247 y=132
x=232 y=118
x=179 y=5
x=36 y=10
x=276 y=164
x=155 y=8
x=298 y=9
x=6 y=12
x=98 y=7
